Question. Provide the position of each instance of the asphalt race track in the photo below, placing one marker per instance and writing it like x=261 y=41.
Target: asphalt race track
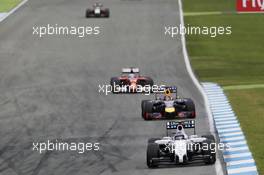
x=49 y=87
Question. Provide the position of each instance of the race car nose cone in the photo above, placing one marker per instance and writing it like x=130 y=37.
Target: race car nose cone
x=170 y=109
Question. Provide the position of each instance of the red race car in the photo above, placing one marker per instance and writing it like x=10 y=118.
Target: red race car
x=131 y=81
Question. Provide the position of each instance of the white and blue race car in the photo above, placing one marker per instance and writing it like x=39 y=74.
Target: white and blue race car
x=179 y=148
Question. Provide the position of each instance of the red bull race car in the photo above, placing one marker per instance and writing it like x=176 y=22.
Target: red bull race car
x=131 y=81
x=167 y=105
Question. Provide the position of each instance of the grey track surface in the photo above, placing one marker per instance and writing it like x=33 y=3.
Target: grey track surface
x=49 y=87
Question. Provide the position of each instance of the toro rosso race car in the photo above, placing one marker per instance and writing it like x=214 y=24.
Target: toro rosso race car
x=131 y=81
x=97 y=11
x=167 y=105
x=179 y=148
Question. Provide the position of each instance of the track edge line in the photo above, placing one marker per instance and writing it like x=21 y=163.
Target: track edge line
x=218 y=165
x=13 y=10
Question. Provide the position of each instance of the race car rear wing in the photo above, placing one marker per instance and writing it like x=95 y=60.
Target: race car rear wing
x=170 y=89
x=130 y=70
x=186 y=124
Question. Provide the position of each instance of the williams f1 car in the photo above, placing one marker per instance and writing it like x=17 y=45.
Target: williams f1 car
x=131 y=81
x=97 y=11
x=179 y=148
x=167 y=105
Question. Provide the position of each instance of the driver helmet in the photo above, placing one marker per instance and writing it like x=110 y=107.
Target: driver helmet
x=167 y=98
x=180 y=134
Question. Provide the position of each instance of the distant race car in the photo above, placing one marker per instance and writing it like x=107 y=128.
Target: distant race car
x=131 y=81
x=97 y=11
x=179 y=148
x=167 y=105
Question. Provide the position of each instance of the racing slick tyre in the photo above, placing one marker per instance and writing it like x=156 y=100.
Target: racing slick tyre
x=107 y=13
x=152 y=152
x=147 y=109
x=114 y=82
x=152 y=140
x=210 y=151
x=88 y=13
x=190 y=107
x=143 y=106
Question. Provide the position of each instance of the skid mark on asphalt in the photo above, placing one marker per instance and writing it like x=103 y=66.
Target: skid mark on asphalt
x=43 y=160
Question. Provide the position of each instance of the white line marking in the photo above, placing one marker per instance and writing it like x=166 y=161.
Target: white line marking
x=221 y=107
x=2 y=15
x=221 y=113
x=231 y=134
x=226 y=122
x=224 y=119
x=218 y=165
x=13 y=10
x=224 y=116
x=228 y=130
x=202 y=13
x=239 y=148
x=237 y=155
x=228 y=125
x=241 y=170
x=237 y=143
x=233 y=138
x=239 y=162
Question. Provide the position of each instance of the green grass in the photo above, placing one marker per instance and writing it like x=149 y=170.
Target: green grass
x=229 y=59
x=208 y=5
x=6 y=5
x=233 y=61
x=248 y=105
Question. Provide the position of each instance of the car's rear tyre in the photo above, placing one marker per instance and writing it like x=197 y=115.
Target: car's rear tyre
x=210 y=160
x=147 y=109
x=190 y=107
x=152 y=152
x=88 y=13
x=114 y=82
x=107 y=13
x=143 y=104
x=210 y=151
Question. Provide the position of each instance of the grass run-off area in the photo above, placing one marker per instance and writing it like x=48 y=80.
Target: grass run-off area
x=6 y=5
x=248 y=105
x=234 y=61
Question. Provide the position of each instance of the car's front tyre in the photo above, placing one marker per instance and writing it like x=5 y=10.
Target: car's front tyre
x=152 y=152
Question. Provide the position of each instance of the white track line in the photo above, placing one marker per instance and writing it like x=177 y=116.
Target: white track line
x=13 y=10
x=2 y=15
x=218 y=165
